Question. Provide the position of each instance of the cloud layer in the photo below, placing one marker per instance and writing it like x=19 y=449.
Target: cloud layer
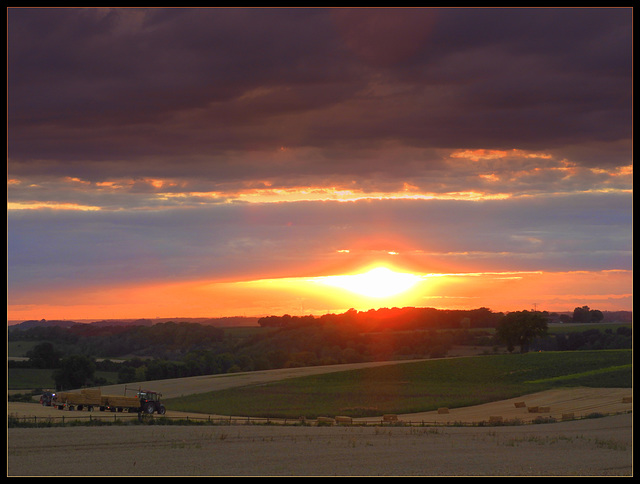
x=216 y=94
x=181 y=144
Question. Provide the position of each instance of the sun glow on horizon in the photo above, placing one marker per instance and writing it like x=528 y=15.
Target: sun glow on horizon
x=379 y=282
x=303 y=295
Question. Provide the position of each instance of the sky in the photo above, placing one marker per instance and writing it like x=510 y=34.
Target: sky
x=209 y=162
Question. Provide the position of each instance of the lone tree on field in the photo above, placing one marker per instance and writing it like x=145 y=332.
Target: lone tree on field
x=520 y=327
x=74 y=372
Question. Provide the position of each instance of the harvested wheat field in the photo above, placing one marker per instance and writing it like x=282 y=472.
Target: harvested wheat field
x=558 y=404
x=433 y=445
x=578 y=447
x=592 y=447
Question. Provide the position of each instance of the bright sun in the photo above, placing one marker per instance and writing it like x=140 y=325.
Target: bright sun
x=379 y=282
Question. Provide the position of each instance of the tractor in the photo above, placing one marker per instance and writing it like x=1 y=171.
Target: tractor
x=150 y=402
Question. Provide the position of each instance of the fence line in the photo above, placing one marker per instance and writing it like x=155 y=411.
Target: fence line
x=118 y=418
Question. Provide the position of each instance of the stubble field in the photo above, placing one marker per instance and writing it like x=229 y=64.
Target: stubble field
x=593 y=447
x=585 y=447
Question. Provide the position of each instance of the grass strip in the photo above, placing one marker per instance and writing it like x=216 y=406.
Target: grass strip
x=613 y=371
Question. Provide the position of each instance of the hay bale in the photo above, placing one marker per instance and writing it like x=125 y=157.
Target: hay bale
x=119 y=401
x=519 y=404
x=495 y=419
x=71 y=398
x=626 y=399
x=533 y=409
x=325 y=421
x=91 y=392
x=567 y=416
x=389 y=417
x=92 y=396
x=443 y=410
x=343 y=420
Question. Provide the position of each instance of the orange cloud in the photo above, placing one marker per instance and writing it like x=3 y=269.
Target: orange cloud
x=50 y=206
x=485 y=154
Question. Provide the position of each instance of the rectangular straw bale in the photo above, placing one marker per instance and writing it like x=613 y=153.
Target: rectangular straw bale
x=443 y=410
x=533 y=409
x=120 y=401
x=519 y=404
x=91 y=393
x=61 y=396
x=389 y=417
x=71 y=398
x=325 y=420
x=91 y=396
x=343 y=420
x=626 y=399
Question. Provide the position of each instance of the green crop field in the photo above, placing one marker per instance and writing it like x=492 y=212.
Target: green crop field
x=417 y=387
x=579 y=328
x=29 y=378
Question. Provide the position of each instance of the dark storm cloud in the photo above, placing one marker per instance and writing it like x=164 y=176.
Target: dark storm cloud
x=157 y=126
x=85 y=68
x=205 y=93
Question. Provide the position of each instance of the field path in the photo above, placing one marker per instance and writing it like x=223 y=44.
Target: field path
x=177 y=387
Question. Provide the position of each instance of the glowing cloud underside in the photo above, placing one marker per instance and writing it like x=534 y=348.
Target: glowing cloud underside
x=377 y=283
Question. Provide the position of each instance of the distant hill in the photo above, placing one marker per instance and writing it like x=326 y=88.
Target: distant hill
x=33 y=323
x=217 y=322
x=122 y=322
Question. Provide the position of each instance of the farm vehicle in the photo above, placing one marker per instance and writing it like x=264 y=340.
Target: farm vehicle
x=47 y=398
x=91 y=398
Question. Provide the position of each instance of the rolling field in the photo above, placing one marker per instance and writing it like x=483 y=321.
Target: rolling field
x=592 y=446
x=416 y=386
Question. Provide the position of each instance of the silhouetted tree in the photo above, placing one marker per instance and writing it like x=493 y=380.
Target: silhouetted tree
x=44 y=355
x=74 y=372
x=520 y=327
x=585 y=315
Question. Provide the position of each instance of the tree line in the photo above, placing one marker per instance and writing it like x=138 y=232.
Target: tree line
x=430 y=318
x=162 y=339
x=385 y=319
x=175 y=350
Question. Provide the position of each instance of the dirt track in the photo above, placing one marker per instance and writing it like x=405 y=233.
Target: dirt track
x=177 y=387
